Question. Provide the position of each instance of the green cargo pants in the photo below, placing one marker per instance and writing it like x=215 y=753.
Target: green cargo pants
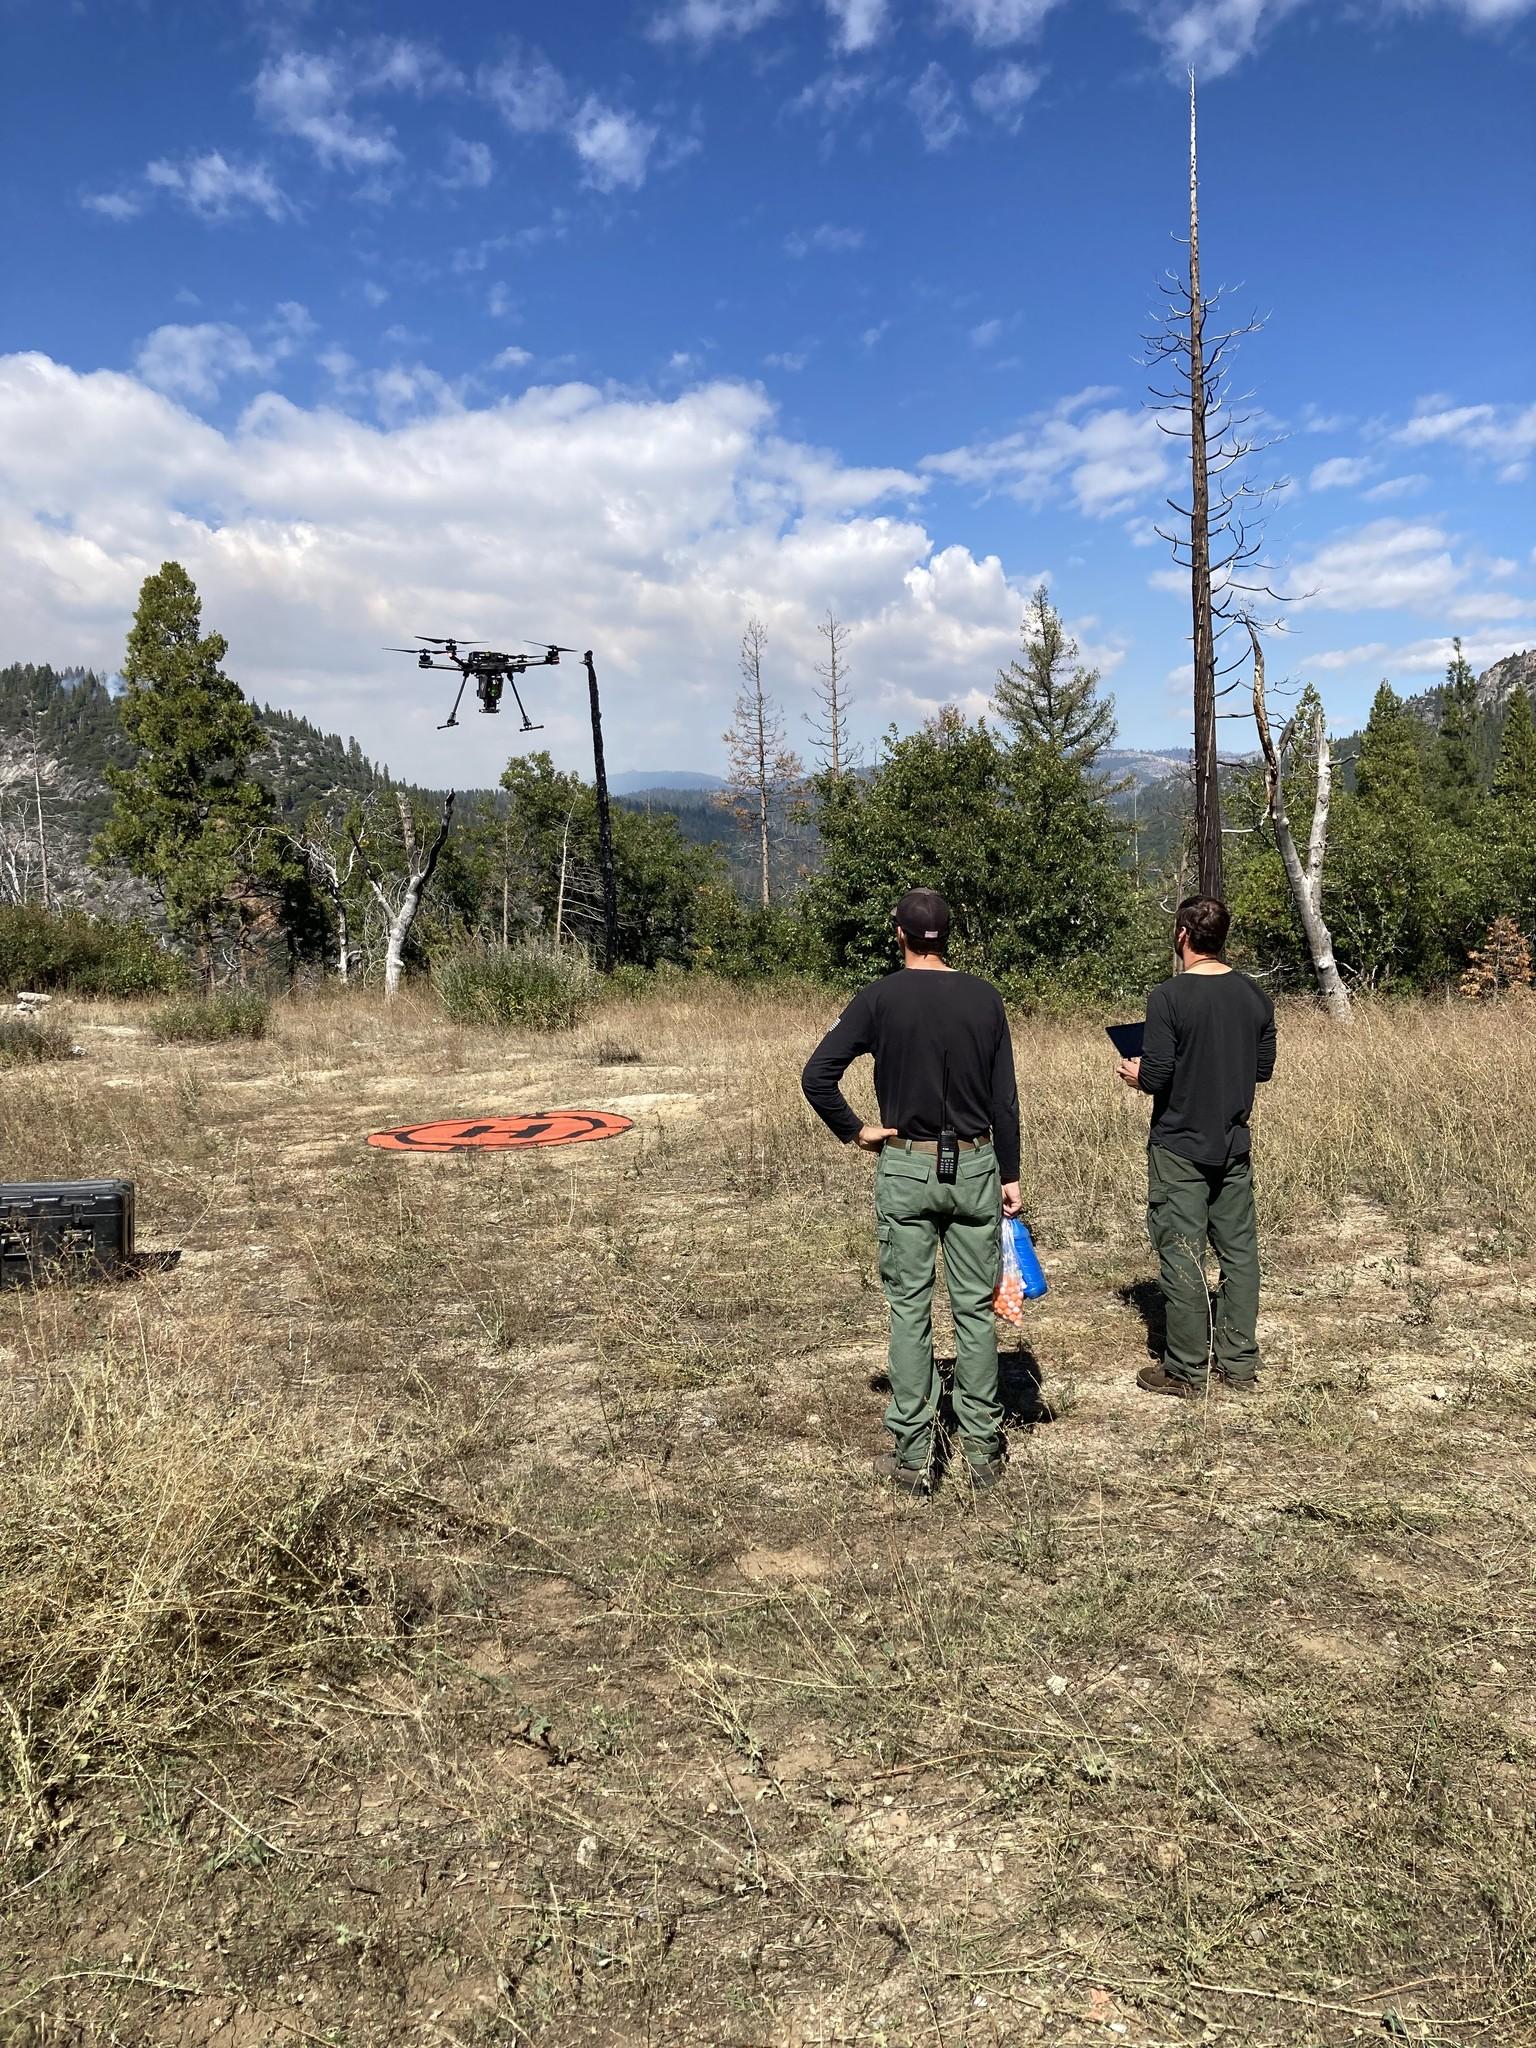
x=1189 y=1206
x=916 y=1213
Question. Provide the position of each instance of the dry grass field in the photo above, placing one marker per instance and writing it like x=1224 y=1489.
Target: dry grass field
x=451 y=1606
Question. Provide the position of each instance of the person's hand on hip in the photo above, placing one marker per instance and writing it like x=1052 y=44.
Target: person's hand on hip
x=873 y=1136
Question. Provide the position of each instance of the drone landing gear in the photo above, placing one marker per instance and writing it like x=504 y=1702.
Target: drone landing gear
x=453 y=716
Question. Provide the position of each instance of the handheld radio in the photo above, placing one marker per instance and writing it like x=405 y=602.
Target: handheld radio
x=948 y=1165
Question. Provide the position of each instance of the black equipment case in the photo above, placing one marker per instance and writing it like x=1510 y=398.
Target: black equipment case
x=48 y=1226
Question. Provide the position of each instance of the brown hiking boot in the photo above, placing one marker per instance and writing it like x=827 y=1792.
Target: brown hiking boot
x=1152 y=1379
x=908 y=1478
x=1245 y=1389
x=986 y=1472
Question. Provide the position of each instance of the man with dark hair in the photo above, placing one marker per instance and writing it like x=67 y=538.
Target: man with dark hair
x=943 y=1061
x=1210 y=1040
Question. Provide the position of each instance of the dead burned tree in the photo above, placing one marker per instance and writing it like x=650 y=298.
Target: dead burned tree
x=330 y=854
x=1221 y=540
x=762 y=770
x=1307 y=728
x=400 y=897
x=829 y=721
x=30 y=779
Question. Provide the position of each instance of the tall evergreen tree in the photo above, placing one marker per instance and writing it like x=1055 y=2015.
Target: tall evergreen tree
x=1387 y=856
x=1512 y=816
x=185 y=812
x=1049 y=699
x=1022 y=845
x=1456 y=784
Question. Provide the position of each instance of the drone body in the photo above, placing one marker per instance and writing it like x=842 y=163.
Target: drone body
x=491 y=670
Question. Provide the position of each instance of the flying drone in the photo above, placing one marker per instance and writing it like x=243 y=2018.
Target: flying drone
x=492 y=671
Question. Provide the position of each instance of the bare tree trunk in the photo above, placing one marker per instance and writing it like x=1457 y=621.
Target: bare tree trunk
x=762 y=831
x=1207 y=778
x=42 y=836
x=1306 y=882
x=419 y=870
x=829 y=725
x=343 y=944
x=604 y=821
x=565 y=847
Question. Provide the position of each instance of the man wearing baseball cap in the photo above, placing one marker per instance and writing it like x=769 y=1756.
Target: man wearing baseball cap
x=943 y=1060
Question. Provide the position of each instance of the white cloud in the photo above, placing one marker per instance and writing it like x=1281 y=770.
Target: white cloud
x=646 y=528
x=1396 y=487
x=310 y=96
x=1105 y=457
x=305 y=95
x=1423 y=657
x=1339 y=473
x=1212 y=36
x=1505 y=433
x=470 y=165
x=933 y=101
x=702 y=22
x=511 y=359
x=527 y=91
x=1215 y=36
x=499 y=301
x=831 y=96
x=193 y=362
x=124 y=205
x=216 y=187
x=826 y=240
x=615 y=147
x=985 y=333
x=995 y=23
x=858 y=24
x=1388 y=565
x=790 y=360
x=1003 y=92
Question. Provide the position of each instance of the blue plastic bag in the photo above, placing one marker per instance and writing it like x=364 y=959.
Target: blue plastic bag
x=1021 y=1279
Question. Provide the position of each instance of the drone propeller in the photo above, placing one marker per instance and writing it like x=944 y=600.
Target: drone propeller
x=549 y=646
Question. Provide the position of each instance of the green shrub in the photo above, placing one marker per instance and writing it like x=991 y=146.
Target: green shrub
x=206 y=1020
x=25 y=1039
x=85 y=955
x=628 y=980
x=533 y=985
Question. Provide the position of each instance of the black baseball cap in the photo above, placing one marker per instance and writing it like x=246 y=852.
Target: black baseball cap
x=924 y=916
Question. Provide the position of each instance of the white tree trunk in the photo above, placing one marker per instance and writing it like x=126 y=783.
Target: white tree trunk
x=1306 y=882
x=420 y=868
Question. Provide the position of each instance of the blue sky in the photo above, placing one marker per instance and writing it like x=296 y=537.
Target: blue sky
x=629 y=320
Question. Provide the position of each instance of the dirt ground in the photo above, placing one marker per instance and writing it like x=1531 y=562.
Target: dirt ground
x=451 y=1605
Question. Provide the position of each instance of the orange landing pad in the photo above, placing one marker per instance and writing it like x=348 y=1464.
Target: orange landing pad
x=504 y=1133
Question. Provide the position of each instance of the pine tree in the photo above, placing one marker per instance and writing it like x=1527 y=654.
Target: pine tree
x=1390 y=769
x=1511 y=816
x=1514 y=779
x=1049 y=699
x=185 y=812
x=1456 y=786
x=1387 y=869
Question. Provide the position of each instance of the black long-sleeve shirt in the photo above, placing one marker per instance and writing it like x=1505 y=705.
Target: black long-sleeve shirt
x=1210 y=1039
x=911 y=1021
